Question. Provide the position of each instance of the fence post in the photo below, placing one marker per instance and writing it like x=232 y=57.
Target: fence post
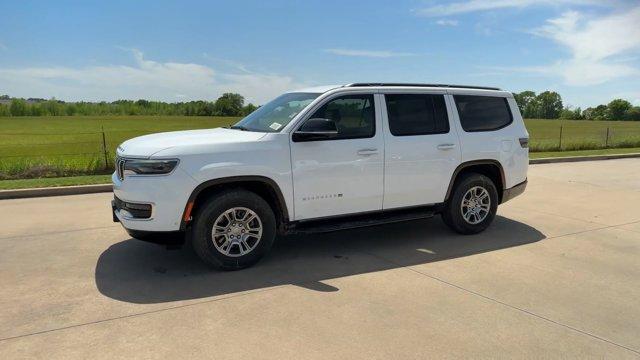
x=560 y=141
x=606 y=141
x=104 y=149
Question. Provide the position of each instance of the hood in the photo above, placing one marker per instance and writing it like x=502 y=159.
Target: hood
x=147 y=145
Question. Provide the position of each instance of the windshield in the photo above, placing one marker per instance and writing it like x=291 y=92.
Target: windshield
x=276 y=114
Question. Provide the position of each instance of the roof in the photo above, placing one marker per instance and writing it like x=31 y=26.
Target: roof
x=422 y=85
x=325 y=88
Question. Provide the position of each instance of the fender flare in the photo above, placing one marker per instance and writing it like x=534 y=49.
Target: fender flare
x=281 y=206
x=471 y=163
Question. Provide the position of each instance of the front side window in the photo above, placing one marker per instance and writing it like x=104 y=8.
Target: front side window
x=354 y=116
x=276 y=114
x=416 y=114
x=483 y=113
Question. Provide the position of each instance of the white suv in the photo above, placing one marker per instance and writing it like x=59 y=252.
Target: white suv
x=324 y=159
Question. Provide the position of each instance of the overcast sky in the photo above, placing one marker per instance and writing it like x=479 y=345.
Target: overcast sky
x=589 y=51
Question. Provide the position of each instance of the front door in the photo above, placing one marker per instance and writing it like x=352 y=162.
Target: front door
x=343 y=174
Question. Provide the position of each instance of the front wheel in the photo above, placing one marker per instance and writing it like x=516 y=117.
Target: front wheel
x=234 y=230
x=472 y=205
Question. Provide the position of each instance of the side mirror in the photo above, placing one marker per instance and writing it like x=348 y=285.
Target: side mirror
x=316 y=129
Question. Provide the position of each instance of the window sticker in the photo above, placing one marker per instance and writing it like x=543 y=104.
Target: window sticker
x=275 y=126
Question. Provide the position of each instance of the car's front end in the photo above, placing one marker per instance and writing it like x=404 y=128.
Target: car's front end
x=156 y=174
x=150 y=196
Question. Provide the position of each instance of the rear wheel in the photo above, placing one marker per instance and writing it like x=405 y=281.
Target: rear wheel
x=472 y=205
x=234 y=230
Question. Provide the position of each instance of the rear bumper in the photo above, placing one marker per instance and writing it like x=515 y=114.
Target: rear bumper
x=512 y=192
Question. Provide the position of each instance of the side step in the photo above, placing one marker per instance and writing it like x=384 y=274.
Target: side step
x=358 y=221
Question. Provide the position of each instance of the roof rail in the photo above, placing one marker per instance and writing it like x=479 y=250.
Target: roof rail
x=423 y=85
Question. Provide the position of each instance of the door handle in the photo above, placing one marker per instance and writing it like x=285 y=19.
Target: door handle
x=367 y=152
x=446 y=146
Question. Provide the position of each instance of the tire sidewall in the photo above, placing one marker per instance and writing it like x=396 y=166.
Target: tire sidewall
x=455 y=211
x=202 y=236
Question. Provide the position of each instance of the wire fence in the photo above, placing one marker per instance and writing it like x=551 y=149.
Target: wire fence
x=41 y=154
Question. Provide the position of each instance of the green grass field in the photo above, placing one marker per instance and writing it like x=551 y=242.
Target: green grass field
x=33 y=147
x=36 y=147
x=582 y=134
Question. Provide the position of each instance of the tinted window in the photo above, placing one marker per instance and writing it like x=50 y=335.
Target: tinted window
x=354 y=116
x=483 y=113
x=416 y=114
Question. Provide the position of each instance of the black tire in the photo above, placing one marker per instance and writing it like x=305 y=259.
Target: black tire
x=453 y=214
x=202 y=240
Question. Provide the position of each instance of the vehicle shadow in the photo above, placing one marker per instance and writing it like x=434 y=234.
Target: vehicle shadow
x=138 y=272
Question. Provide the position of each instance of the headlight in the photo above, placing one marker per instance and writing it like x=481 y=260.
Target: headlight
x=149 y=167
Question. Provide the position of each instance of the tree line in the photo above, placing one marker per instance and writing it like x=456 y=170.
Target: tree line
x=548 y=105
x=229 y=104
x=545 y=105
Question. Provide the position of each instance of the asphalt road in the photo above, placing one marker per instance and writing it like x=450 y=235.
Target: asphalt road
x=557 y=275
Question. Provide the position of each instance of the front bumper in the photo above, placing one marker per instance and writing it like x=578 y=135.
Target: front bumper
x=514 y=191
x=168 y=238
x=167 y=196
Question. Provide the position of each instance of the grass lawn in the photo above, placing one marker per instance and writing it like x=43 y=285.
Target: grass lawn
x=581 y=134
x=33 y=147
x=50 y=182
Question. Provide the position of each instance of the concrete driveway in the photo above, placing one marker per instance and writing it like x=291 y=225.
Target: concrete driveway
x=557 y=275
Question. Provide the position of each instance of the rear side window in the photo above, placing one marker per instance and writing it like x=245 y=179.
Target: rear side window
x=416 y=114
x=483 y=113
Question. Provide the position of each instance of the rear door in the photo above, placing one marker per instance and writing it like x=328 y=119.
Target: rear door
x=342 y=175
x=489 y=129
x=421 y=148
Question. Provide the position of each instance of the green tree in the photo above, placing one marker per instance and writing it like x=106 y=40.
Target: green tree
x=596 y=113
x=617 y=108
x=526 y=103
x=248 y=109
x=632 y=114
x=568 y=114
x=4 y=110
x=229 y=104
x=549 y=105
x=52 y=107
x=70 y=109
x=18 y=107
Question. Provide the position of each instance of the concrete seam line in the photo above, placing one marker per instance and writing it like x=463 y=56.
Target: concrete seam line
x=410 y=268
x=139 y=314
x=523 y=310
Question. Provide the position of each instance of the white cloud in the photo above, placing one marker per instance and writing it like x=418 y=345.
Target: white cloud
x=596 y=46
x=445 y=22
x=147 y=79
x=485 y=5
x=367 y=53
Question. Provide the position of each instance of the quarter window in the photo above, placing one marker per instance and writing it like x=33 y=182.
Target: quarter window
x=416 y=114
x=483 y=113
x=354 y=116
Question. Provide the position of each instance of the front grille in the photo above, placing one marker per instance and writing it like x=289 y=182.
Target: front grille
x=120 y=167
x=138 y=211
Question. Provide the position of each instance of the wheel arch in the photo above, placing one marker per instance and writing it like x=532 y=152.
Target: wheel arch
x=265 y=187
x=488 y=167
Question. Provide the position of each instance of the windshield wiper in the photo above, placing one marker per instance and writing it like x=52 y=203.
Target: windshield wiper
x=239 y=127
